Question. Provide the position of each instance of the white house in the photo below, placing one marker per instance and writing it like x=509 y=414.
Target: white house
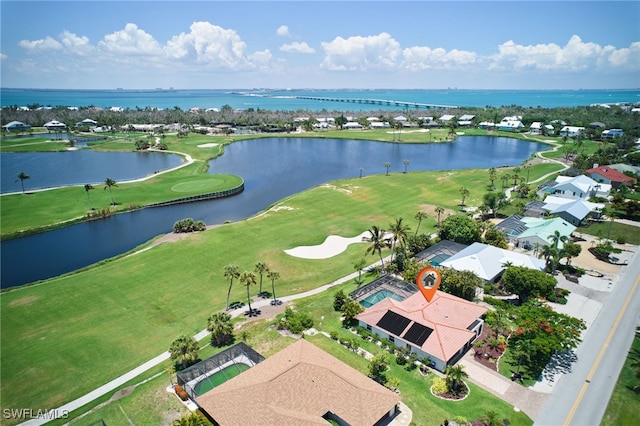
x=488 y=262
x=352 y=125
x=578 y=187
x=16 y=126
x=55 y=125
x=511 y=124
x=571 y=131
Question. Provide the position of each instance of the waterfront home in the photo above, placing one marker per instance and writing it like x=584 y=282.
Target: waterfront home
x=16 y=126
x=526 y=232
x=574 y=187
x=571 y=131
x=55 y=125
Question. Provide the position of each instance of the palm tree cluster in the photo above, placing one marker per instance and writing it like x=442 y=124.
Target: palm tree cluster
x=399 y=239
x=248 y=279
x=553 y=253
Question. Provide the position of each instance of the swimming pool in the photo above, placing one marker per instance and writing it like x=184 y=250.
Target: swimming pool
x=371 y=300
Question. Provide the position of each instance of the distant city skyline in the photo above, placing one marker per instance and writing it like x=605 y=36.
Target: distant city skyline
x=320 y=44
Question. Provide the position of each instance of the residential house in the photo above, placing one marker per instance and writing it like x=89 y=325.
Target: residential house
x=442 y=330
x=576 y=212
x=16 y=126
x=528 y=232
x=466 y=120
x=446 y=118
x=352 y=125
x=626 y=168
x=511 y=124
x=379 y=125
x=609 y=175
x=597 y=125
x=299 y=385
x=574 y=187
x=571 y=131
x=611 y=133
x=535 y=128
x=55 y=125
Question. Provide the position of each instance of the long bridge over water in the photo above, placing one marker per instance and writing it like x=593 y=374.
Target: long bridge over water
x=383 y=102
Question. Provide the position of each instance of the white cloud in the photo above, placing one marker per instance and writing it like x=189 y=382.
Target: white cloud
x=420 y=58
x=576 y=55
x=130 y=41
x=297 y=47
x=3 y=56
x=44 y=44
x=76 y=44
x=361 y=53
x=283 y=31
x=209 y=44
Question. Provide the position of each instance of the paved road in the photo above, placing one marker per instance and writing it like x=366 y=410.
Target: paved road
x=580 y=397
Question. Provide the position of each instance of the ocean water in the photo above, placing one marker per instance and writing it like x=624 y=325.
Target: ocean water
x=313 y=100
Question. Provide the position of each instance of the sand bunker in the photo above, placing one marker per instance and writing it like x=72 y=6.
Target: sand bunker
x=332 y=246
x=207 y=145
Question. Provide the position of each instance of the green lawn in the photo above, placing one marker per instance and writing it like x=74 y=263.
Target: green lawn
x=624 y=404
x=614 y=231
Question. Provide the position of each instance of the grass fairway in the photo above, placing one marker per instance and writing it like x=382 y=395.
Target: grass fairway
x=100 y=323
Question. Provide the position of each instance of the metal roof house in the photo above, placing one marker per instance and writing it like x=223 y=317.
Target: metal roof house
x=488 y=262
x=16 y=126
x=574 y=187
x=528 y=231
x=55 y=125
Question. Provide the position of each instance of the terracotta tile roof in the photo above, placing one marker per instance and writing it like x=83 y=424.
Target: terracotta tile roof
x=448 y=316
x=297 y=386
x=611 y=174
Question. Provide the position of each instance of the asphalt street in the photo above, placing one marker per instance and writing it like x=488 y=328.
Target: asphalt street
x=580 y=397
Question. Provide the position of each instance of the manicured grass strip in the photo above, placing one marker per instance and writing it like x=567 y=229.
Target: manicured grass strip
x=624 y=404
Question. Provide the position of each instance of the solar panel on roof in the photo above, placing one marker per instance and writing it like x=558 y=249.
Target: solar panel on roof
x=393 y=323
x=417 y=334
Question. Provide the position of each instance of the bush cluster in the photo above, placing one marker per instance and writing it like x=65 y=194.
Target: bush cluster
x=188 y=225
x=296 y=322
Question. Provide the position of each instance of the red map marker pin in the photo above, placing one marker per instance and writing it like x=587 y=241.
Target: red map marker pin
x=428 y=281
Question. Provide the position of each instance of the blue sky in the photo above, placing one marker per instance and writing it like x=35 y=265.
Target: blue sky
x=320 y=44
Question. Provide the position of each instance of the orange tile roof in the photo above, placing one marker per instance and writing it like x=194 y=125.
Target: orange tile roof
x=447 y=315
x=297 y=386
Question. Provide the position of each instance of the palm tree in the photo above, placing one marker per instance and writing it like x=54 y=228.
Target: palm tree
x=493 y=174
x=358 y=266
x=399 y=234
x=184 y=351
x=515 y=175
x=557 y=238
x=387 y=165
x=420 y=216
x=261 y=268
x=549 y=253
x=273 y=276
x=88 y=187
x=219 y=324
x=248 y=279
x=361 y=170
x=406 y=163
x=378 y=242
x=439 y=211
x=455 y=376
x=230 y=272
x=464 y=192
x=108 y=184
x=193 y=419
x=22 y=176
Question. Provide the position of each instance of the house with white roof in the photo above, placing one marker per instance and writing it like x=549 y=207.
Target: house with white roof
x=55 y=125
x=352 y=125
x=573 y=211
x=16 y=126
x=401 y=118
x=511 y=124
x=446 y=118
x=575 y=188
x=488 y=262
x=379 y=125
x=571 y=131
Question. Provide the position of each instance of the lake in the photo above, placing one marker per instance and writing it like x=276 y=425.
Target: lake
x=273 y=168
